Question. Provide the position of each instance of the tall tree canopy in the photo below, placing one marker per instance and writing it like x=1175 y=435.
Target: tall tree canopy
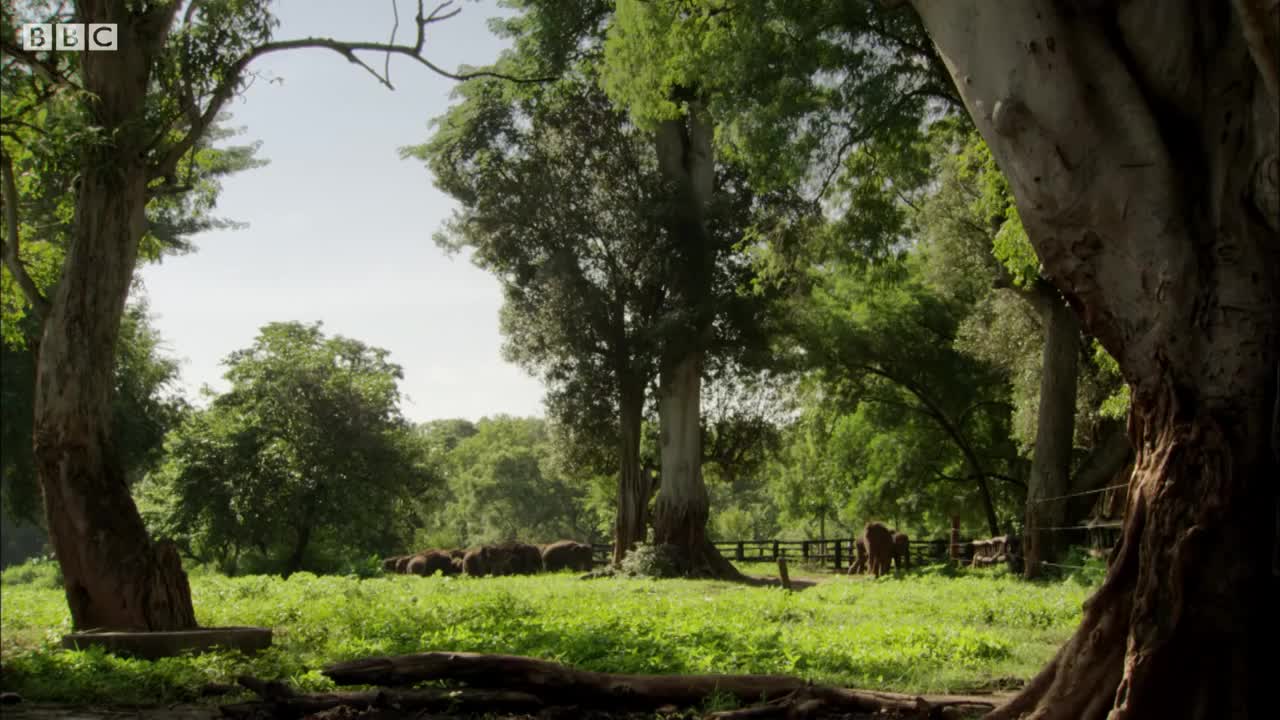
x=273 y=464
x=504 y=481
x=558 y=198
x=566 y=202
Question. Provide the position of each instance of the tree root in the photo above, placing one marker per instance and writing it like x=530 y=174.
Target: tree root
x=278 y=700
x=513 y=684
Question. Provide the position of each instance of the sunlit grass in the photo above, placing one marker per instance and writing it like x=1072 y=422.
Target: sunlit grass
x=925 y=631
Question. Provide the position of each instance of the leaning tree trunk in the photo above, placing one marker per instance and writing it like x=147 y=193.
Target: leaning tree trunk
x=681 y=512
x=1140 y=142
x=632 y=520
x=1055 y=431
x=113 y=575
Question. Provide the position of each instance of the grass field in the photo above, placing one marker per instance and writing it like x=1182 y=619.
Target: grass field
x=927 y=630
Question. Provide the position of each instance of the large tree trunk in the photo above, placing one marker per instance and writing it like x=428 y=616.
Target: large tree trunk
x=680 y=515
x=114 y=576
x=632 y=520
x=683 y=506
x=1141 y=147
x=1055 y=432
x=293 y=563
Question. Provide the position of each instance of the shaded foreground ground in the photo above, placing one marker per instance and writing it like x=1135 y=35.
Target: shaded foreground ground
x=927 y=631
x=53 y=711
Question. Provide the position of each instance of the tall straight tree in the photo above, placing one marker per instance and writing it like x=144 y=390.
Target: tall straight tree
x=139 y=112
x=684 y=152
x=559 y=198
x=1140 y=143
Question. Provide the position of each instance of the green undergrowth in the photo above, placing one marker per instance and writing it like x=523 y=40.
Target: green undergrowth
x=927 y=630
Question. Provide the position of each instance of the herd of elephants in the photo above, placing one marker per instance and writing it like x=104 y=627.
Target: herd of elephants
x=877 y=549
x=512 y=558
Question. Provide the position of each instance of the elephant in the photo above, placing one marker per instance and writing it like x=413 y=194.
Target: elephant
x=430 y=562
x=474 y=562
x=525 y=559
x=879 y=542
x=901 y=551
x=859 y=564
x=402 y=564
x=566 y=555
x=389 y=564
x=510 y=558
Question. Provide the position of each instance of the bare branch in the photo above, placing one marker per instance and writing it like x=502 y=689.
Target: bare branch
x=438 y=14
x=9 y=246
x=386 y=65
x=234 y=76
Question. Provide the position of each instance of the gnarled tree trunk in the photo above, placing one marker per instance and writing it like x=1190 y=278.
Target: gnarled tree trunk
x=1055 y=430
x=114 y=576
x=1140 y=142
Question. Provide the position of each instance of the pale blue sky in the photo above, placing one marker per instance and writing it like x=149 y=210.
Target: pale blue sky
x=340 y=228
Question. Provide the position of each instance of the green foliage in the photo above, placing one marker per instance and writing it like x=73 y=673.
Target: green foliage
x=501 y=482
x=897 y=415
x=39 y=572
x=837 y=73
x=558 y=200
x=920 y=633
x=1116 y=404
x=976 y=251
x=272 y=465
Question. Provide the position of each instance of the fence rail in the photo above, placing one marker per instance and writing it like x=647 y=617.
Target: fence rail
x=836 y=553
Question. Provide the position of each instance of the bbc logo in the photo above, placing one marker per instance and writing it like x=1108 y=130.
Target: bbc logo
x=69 y=36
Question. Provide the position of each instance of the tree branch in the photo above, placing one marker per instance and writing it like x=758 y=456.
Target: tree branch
x=964 y=415
x=9 y=246
x=47 y=70
x=234 y=75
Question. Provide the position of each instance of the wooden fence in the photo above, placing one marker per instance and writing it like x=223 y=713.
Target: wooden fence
x=836 y=554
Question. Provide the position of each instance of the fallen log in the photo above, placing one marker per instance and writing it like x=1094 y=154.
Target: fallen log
x=556 y=684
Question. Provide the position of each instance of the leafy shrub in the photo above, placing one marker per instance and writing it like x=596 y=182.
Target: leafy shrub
x=39 y=571
x=653 y=561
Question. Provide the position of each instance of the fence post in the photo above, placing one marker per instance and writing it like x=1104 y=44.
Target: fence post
x=955 y=537
x=839 y=565
x=742 y=554
x=775 y=549
x=804 y=550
